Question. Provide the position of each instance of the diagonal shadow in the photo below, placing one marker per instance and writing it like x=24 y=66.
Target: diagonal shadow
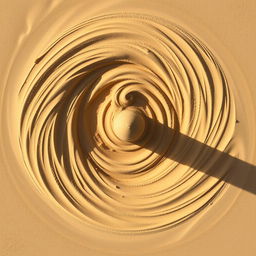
x=188 y=151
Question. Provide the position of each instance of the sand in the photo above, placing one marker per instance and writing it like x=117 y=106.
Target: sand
x=127 y=128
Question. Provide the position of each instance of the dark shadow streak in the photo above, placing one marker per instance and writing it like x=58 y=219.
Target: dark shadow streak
x=190 y=152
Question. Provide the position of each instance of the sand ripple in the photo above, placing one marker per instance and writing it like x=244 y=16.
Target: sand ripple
x=71 y=98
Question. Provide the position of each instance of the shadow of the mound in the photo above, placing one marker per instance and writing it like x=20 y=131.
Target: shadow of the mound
x=201 y=157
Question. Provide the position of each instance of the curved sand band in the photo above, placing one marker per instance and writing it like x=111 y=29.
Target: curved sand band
x=98 y=107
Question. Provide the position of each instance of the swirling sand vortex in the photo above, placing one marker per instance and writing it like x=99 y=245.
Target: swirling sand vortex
x=70 y=101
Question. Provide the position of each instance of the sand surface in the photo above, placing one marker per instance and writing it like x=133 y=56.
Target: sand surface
x=127 y=128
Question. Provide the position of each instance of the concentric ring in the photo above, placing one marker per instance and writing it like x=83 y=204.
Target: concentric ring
x=70 y=100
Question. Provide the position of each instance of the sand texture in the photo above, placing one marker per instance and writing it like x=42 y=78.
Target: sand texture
x=127 y=128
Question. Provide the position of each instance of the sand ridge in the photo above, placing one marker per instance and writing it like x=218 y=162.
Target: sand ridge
x=125 y=128
x=70 y=99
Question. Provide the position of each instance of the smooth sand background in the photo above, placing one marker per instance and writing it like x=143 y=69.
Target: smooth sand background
x=28 y=227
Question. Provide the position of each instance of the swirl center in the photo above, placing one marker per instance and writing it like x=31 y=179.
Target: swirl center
x=129 y=125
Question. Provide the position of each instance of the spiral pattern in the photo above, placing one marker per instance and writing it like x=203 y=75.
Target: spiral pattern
x=98 y=108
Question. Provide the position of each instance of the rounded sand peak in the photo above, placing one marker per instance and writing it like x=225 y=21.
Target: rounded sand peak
x=128 y=125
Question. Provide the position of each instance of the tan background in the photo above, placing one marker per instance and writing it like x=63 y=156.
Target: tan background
x=24 y=231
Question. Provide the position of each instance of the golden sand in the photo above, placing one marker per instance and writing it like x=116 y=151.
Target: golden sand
x=127 y=129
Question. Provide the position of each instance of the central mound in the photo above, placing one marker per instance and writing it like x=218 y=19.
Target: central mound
x=129 y=125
